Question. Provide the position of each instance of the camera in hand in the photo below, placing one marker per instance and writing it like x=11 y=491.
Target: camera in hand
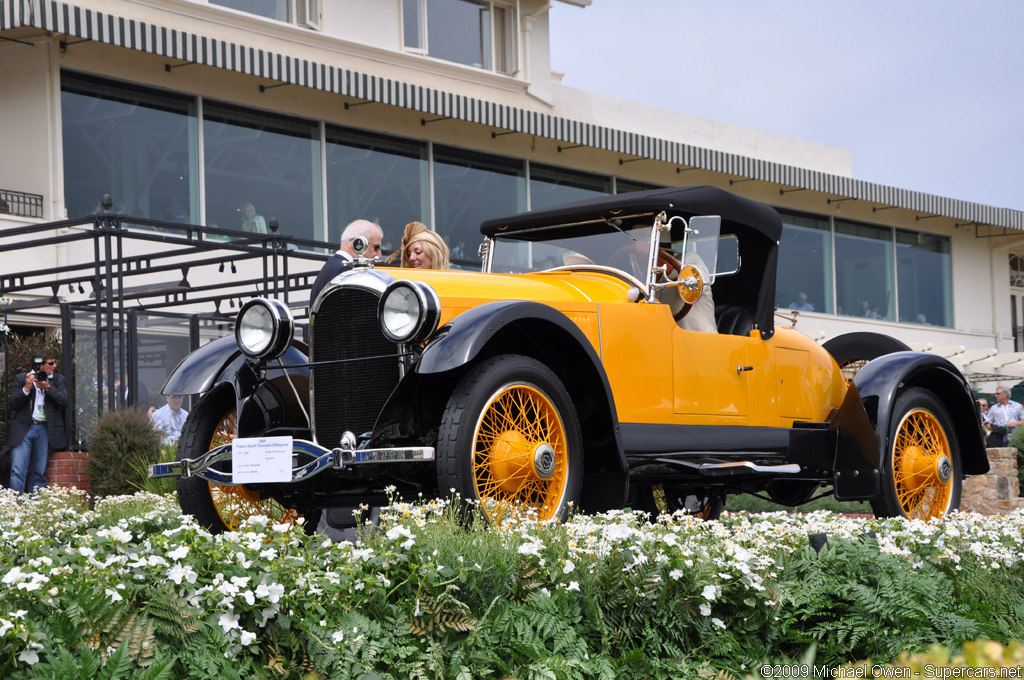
x=37 y=367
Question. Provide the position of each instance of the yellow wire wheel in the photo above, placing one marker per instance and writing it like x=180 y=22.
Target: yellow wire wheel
x=213 y=422
x=922 y=476
x=510 y=440
x=237 y=503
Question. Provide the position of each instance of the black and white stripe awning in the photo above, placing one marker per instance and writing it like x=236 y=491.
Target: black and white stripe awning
x=64 y=18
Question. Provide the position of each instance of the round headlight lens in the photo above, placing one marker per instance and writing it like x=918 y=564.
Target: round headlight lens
x=255 y=330
x=263 y=328
x=409 y=311
x=400 y=313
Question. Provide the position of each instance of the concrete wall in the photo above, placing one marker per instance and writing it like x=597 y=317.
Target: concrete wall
x=31 y=135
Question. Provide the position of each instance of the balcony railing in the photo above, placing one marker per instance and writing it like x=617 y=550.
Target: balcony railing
x=20 y=203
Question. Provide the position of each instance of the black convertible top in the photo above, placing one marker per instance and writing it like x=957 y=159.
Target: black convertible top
x=685 y=201
x=758 y=227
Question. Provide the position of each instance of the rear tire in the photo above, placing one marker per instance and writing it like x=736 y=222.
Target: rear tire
x=216 y=507
x=921 y=474
x=510 y=439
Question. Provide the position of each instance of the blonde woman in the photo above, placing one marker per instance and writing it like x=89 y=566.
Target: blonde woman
x=422 y=248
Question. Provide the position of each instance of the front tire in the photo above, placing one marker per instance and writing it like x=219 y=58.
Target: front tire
x=922 y=473
x=510 y=438
x=219 y=508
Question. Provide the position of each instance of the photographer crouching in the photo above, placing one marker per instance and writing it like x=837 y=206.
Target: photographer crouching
x=37 y=405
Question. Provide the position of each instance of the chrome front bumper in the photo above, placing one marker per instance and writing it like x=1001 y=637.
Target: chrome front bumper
x=324 y=459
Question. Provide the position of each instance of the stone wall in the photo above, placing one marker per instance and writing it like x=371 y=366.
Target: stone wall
x=995 y=493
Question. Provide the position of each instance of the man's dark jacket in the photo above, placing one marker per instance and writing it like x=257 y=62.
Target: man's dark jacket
x=21 y=406
x=334 y=266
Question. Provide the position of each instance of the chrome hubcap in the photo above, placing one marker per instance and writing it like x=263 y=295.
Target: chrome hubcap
x=544 y=461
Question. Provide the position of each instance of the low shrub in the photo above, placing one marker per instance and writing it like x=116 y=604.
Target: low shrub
x=122 y=444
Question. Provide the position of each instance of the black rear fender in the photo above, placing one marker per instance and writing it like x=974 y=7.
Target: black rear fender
x=882 y=380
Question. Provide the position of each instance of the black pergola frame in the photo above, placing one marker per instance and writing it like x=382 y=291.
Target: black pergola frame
x=112 y=271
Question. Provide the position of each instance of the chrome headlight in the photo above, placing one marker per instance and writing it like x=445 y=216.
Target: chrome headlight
x=264 y=328
x=409 y=311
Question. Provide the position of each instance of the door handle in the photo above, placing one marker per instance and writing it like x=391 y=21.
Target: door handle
x=740 y=369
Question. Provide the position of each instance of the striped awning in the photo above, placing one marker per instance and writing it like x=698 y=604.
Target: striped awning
x=78 y=22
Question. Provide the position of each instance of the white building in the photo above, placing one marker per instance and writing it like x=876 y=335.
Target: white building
x=444 y=111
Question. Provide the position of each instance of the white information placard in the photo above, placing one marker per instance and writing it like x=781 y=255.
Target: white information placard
x=261 y=459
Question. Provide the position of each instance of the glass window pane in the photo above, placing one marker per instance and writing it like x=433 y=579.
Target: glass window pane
x=925 y=276
x=470 y=187
x=504 y=40
x=551 y=186
x=272 y=9
x=459 y=31
x=260 y=166
x=412 y=24
x=624 y=186
x=130 y=142
x=378 y=178
x=864 y=271
x=804 y=277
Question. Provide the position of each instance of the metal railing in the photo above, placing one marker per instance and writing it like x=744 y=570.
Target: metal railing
x=20 y=203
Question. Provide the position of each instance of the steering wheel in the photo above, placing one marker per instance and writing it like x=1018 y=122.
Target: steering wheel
x=671 y=263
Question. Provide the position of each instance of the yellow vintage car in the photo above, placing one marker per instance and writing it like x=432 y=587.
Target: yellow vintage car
x=620 y=351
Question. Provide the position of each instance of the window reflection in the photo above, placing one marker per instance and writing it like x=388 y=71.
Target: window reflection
x=130 y=142
x=864 y=271
x=377 y=178
x=470 y=187
x=268 y=162
x=551 y=186
x=271 y=9
x=805 y=264
x=624 y=186
x=476 y=33
x=924 y=274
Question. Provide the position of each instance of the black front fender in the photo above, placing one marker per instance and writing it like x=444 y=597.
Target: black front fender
x=542 y=332
x=264 y=399
x=466 y=335
x=205 y=368
x=882 y=380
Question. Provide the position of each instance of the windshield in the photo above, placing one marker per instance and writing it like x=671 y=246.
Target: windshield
x=623 y=247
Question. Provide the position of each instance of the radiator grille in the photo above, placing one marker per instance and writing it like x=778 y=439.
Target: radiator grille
x=349 y=396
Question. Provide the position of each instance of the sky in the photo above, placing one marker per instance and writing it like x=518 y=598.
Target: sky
x=928 y=95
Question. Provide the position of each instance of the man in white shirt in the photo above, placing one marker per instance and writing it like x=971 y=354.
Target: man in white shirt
x=170 y=418
x=1005 y=413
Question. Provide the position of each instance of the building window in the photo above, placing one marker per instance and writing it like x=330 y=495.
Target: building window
x=924 y=277
x=550 y=185
x=378 y=178
x=804 y=273
x=300 y=12
x=864 y=270
x=134 y=143
x=1017 y=271
x=470 y=187
x=477 y=33
x=260 y=166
